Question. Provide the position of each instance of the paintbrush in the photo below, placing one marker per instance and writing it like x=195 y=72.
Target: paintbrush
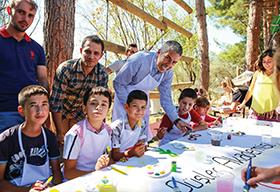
x=108 y=150
x=49 y=180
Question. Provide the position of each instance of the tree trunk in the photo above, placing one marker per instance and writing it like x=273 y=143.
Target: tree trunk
x=276 y=41
x=59 y=25
x=253 y=33
x=203 y=43
x=266 y=29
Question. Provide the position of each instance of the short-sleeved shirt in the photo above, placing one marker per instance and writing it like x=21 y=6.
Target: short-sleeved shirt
x=265 y=93
x=117 y=127
x=70 y=85
x=34 y=148
x=195 y=118
x=117 y=65
x=75 y=144
x=238 y=95
x=18 y=67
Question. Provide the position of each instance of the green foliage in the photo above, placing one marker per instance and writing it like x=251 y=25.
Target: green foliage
x=275 y=24
x=226 y=64
x=232 y=13
x=234 y=55
x=182 y=70
x=3 y=14
x=125 y=28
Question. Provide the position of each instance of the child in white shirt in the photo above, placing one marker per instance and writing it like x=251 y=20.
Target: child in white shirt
x=130 y=134
x=86 y=142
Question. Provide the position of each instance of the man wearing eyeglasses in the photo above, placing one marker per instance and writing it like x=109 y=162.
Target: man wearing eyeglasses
x=117 y=65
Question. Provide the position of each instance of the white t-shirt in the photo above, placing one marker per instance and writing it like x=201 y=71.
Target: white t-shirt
x=83 y=144
x=124 y=137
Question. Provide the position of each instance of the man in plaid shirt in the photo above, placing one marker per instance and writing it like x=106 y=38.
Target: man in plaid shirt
x=72 y=79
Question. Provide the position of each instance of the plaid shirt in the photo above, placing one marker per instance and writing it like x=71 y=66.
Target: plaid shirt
x=70 y=85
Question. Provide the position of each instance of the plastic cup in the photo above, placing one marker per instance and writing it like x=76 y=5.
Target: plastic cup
x=107 y=185
x=199 y=156
x=225 y=181
x=216 y=138
x=266 y=136
x=224 y=122
x=230 y=122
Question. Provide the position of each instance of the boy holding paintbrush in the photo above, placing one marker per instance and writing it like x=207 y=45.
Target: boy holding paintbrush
x=27 y=151
x=130 y=133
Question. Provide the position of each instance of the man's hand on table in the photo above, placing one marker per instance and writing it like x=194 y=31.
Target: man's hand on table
x=183 y=126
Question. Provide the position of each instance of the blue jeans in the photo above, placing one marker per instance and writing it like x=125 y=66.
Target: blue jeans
x=9 y=119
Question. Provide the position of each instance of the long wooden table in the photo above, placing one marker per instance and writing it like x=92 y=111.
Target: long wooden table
x=196 y=169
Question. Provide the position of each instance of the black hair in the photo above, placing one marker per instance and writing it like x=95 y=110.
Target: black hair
x=29 y=91
x=136 y=94
x=132 y=45
x=98 y=91
x=188 y=92
x=202 y=102
x=95 y=39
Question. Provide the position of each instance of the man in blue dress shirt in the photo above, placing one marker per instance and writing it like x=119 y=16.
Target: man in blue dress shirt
x=146 y=71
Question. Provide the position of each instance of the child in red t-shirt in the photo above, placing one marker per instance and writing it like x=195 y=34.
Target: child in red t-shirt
x=186 y=114
x=202 y=106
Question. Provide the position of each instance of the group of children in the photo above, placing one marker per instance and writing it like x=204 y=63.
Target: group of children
x=27 y=151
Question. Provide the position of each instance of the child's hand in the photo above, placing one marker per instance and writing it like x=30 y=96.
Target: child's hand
x=161 y=132
x=102 y=161
x=217 y=122
x=138 y=150
x=38 y=186
x=183 y=126
x=239 y=107
x=60 y=139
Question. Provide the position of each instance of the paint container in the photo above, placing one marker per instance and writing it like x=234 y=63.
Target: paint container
x=173 y=166
x=229 y=136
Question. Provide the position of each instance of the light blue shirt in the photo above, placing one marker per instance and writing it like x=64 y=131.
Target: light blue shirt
x=135 y=70
x=117 y=65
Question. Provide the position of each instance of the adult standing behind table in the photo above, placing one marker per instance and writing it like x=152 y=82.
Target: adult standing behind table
x=72 y=80
x=146 y=71
x=22 y=60
x=117 y=65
